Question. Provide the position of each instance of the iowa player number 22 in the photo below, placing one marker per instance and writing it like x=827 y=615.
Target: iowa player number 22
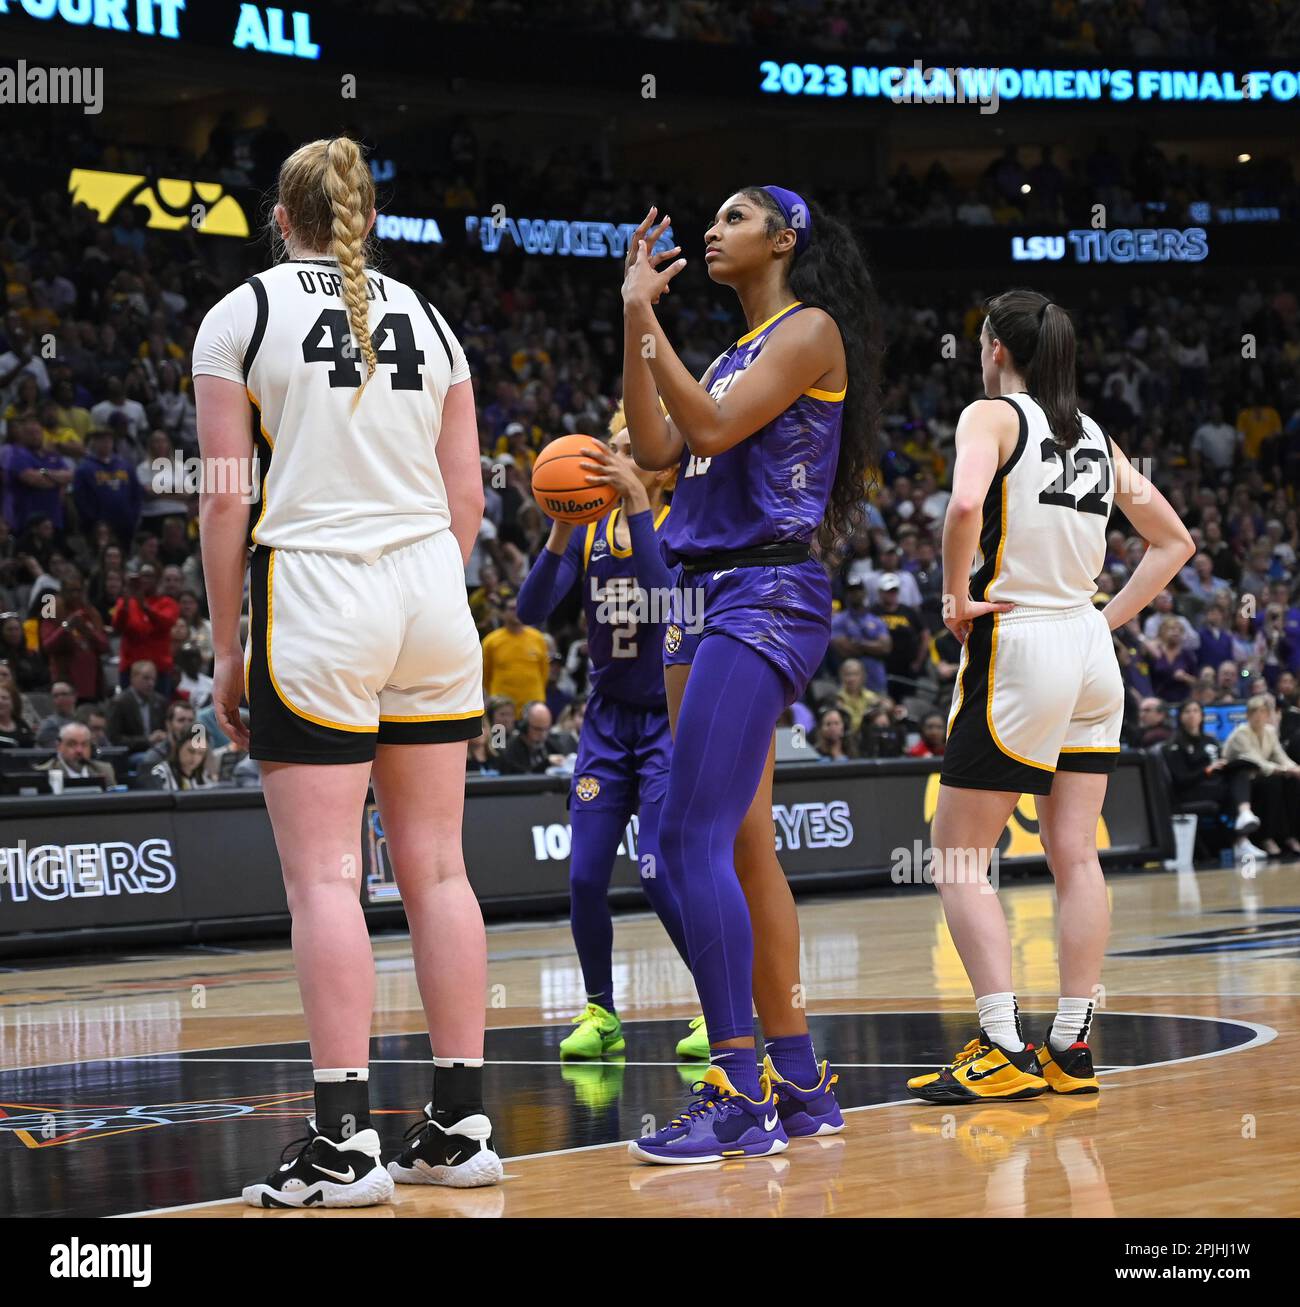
x=1089 y=466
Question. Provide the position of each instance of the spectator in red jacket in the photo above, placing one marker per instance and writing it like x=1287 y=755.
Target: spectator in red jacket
x=74 y=641
x=145 y=619
x=934 y=733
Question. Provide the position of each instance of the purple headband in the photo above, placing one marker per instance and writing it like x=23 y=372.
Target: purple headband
x=793 y=206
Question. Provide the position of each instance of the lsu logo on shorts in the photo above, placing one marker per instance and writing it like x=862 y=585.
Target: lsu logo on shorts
x=587 y=788
x=672 y=638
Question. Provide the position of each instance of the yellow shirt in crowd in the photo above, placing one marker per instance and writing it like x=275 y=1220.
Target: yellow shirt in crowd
x=1256 y=426
x=515 y=664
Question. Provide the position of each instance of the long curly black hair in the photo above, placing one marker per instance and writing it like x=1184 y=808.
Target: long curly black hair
x=831 y=274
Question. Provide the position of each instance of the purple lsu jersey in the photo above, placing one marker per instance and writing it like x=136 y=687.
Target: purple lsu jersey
x=772 y=486
x=624 y=625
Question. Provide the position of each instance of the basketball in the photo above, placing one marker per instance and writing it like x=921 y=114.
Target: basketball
x=560 y=483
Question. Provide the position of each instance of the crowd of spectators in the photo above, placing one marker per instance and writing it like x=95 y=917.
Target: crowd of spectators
x=879 y=27
x=104 y=637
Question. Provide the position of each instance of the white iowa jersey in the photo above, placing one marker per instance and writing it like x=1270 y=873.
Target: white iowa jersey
x=1043 y=539
x=333 y=479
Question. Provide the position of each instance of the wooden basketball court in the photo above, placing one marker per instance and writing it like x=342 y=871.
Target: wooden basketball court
x=162 y=1082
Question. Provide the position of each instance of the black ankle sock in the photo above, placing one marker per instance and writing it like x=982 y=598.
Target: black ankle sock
x=342 y=1108
x=457 y=1091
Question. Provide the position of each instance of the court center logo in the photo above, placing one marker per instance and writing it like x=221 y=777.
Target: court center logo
x=39 y=1126
x=170 y=202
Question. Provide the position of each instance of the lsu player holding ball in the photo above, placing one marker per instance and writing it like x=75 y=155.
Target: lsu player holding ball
x=363 y=664
x=622 y=763
x=1039 y=700
x=773 y=449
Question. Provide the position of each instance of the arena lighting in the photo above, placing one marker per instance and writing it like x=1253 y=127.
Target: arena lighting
x=172 y=204
x=981 y=85
x=1243 y=158
x=1025 y=188
x=1121 y=245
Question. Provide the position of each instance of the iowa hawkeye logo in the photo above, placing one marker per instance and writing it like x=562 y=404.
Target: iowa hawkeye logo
x=171 y=204
x=1020 y=838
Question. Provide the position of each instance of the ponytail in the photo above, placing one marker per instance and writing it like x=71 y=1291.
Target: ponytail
x=1039 y=336
x=828 y=272
x=343 y=186
x=327 y=191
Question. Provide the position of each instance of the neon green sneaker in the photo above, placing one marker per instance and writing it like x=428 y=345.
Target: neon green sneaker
x=599 y=1032
x=695 y=1046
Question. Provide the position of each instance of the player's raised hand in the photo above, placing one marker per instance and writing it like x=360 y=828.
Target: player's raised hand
x=643 y=233
x=606 y=468
x=645 y=282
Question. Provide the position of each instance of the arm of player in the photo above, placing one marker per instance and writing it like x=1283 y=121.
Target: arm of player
x=551 y=577
x=981 y=431
x=1169 y=545
x=656 y=442
x=795 y=356
x=225 y=433
x=651 y=573
x=458 y=461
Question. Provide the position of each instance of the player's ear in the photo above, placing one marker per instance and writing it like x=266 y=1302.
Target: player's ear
x=370 y=223
x=281 y=215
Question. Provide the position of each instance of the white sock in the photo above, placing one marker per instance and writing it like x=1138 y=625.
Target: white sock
x=1073 y=1017
x=336 y=1075
x=1000 y=1019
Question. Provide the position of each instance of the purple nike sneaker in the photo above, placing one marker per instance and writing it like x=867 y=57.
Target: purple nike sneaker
x=806 y=1112
x=720 y=1125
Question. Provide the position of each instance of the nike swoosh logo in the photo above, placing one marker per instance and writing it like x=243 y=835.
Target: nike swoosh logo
x=453 y=1157
x=719 y=575
x=339 y=1175
x=769 y=1123
x=983 y=1075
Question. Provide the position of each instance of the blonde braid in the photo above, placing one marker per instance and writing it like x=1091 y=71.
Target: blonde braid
x=345 y=182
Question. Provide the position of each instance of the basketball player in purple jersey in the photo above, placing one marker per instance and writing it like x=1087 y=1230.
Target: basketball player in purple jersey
x=773 y=448
x=622 y=763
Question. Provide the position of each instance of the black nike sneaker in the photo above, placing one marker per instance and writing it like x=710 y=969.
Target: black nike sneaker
x=459 y=1155
x=1069 y=1071
x=982 y=1070
x=325 y=1173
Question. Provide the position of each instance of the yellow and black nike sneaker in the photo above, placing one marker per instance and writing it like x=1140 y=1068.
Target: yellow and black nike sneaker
x=1069 y=1071
x=983 y=1070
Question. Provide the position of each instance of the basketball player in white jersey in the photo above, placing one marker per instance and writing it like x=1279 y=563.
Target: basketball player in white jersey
x=1039 y=702
x=363 y=666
